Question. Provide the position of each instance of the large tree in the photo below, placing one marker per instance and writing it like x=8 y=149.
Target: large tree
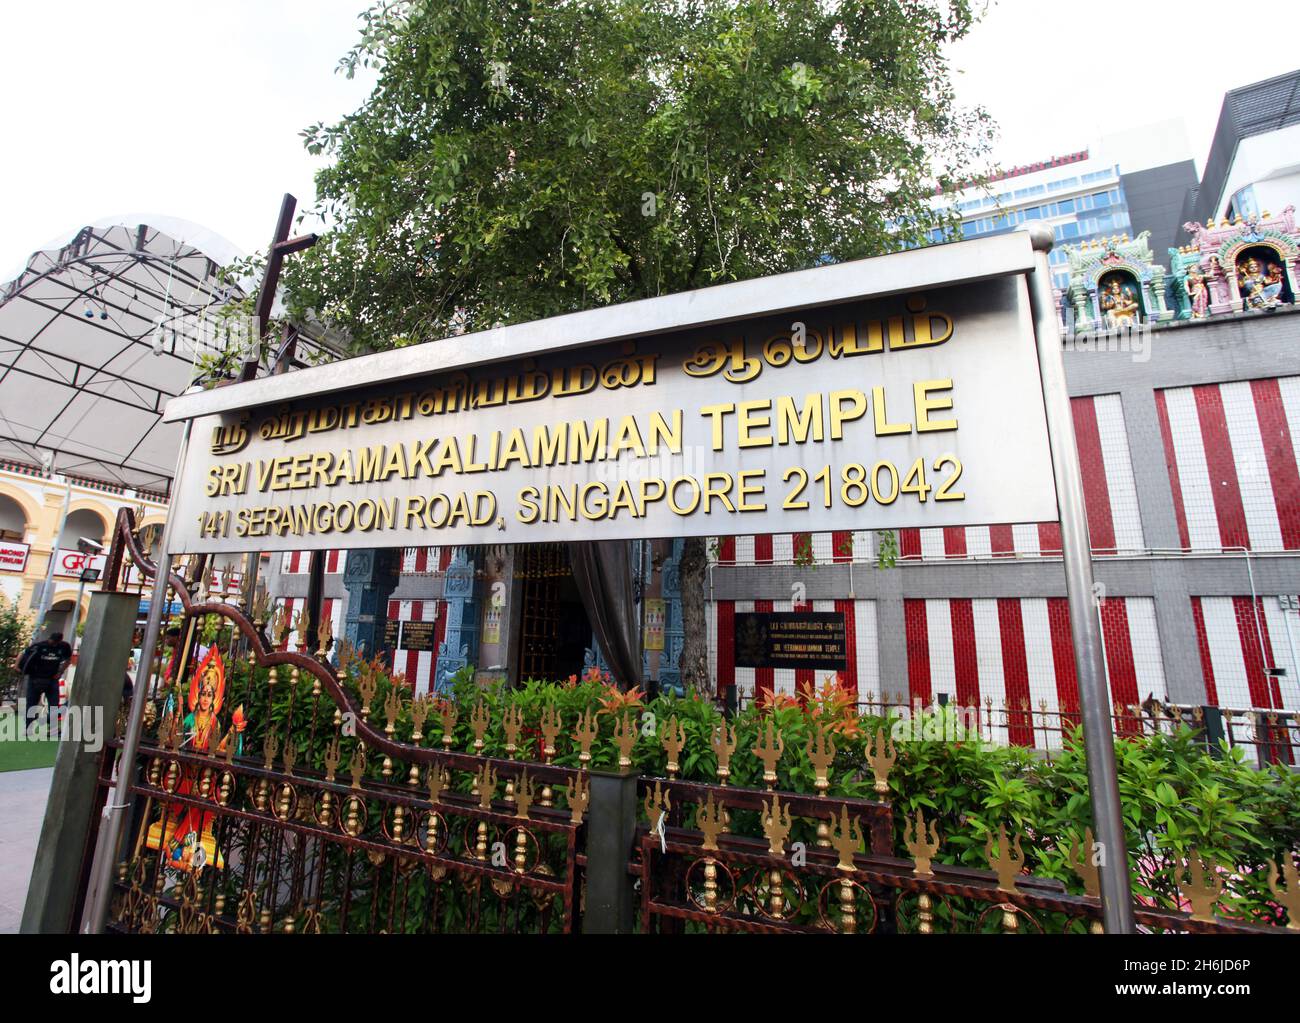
x=518 y=160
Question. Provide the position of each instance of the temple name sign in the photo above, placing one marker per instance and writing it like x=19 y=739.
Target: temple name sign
x=891 y=392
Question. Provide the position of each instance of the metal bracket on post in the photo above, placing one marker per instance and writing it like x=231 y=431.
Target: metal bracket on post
x=1085 y=624
x=611 y=826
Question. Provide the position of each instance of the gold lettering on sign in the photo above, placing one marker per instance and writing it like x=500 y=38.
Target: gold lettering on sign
x=920 y=329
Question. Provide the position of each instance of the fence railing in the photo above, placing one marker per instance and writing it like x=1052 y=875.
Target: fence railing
x=329 y=801
x=1268 y=736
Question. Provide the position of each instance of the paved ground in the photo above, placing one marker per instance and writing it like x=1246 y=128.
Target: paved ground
x=22 y=808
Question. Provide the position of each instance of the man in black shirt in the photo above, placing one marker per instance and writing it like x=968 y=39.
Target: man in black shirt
x=43 y=663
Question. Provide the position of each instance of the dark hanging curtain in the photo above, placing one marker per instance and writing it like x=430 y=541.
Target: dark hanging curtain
x=603 y=571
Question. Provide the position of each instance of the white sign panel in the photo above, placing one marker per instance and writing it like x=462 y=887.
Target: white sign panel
x=13 y=556
x=917 y=409
x=68 y=564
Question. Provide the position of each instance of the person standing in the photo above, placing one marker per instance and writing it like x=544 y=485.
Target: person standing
x=43 y=663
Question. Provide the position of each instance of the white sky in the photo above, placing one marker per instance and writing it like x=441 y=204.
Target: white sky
x=192 y=109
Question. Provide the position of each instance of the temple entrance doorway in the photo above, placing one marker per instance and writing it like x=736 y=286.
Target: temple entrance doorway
x=555 y=633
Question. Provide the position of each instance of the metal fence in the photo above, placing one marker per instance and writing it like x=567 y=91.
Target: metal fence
x=328 y=801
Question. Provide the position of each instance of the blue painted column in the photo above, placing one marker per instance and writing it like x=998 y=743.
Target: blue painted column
x=674 y=635
x=370 y=577
x=459 y=646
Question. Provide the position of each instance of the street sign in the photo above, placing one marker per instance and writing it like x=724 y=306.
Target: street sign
x=919 y=407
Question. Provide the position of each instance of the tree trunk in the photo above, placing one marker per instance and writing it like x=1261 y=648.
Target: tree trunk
x=693 y=573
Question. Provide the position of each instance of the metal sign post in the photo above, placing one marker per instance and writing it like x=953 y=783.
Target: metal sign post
x=99 y=889
x=1085 y=625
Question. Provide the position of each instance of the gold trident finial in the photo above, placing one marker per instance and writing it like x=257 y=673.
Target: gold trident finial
x=578 y=793
x=421 y=708
x=478 y=721
x=723 y=741
x=584 y=735
x=922 y=842
x=776 y=825
x=711 y=819
x=302 y=626
x=485 y=786
x=279 y=625
x=881 y=755
x=1291 y=897
x=770 y=752
x=1007 y=863
x=525 y=791
x=357 y=765
x=367 y=686
x=333 y=757
x=1203 y=888
x=437 y=782
x=657 y=804
x=625 y=732
x=260 y=604
x=550 y=724
x=821 y=753
x=1080 y=860
x=511 y=723
x=846 y=837
x=269 y=749
x=448 y=714
x=392 y=708
x=324 y=636
x=674 y=740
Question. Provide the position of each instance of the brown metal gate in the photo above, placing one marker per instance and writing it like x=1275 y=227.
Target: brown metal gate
x=274 y=792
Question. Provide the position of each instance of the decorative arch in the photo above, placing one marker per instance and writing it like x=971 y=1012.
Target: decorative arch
x=24 y=501
x=70 y=595
x=106 y=516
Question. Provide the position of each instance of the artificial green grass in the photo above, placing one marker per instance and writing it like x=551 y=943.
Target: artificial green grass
x=25 y=756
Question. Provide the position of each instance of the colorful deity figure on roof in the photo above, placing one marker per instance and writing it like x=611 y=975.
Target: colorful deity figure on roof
x=1119 y=302
x=1260 y=288
x=1197 y=293
x=1245 y=265
x=1115 y=284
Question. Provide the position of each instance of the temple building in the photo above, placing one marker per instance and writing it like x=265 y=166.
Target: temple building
x=1182 y=354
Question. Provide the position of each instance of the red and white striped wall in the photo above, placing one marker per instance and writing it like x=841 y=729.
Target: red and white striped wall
x=1109 y=490
x=862 y=676
x=419 y=560
x=783 y=548
x=1016 y=649
x=415 y=560
x=331 y=607
x=1232 y=451
x=1239 y=638
x=419 y=665
x=296 y=562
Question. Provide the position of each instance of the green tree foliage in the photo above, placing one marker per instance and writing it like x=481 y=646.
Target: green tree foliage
x=518 y=160
x=15 y=635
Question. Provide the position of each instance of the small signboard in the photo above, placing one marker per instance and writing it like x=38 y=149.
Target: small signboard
x=654 y=623
x=408 y=635
x=13 y=556
x=416 y=636
x=814 y=639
